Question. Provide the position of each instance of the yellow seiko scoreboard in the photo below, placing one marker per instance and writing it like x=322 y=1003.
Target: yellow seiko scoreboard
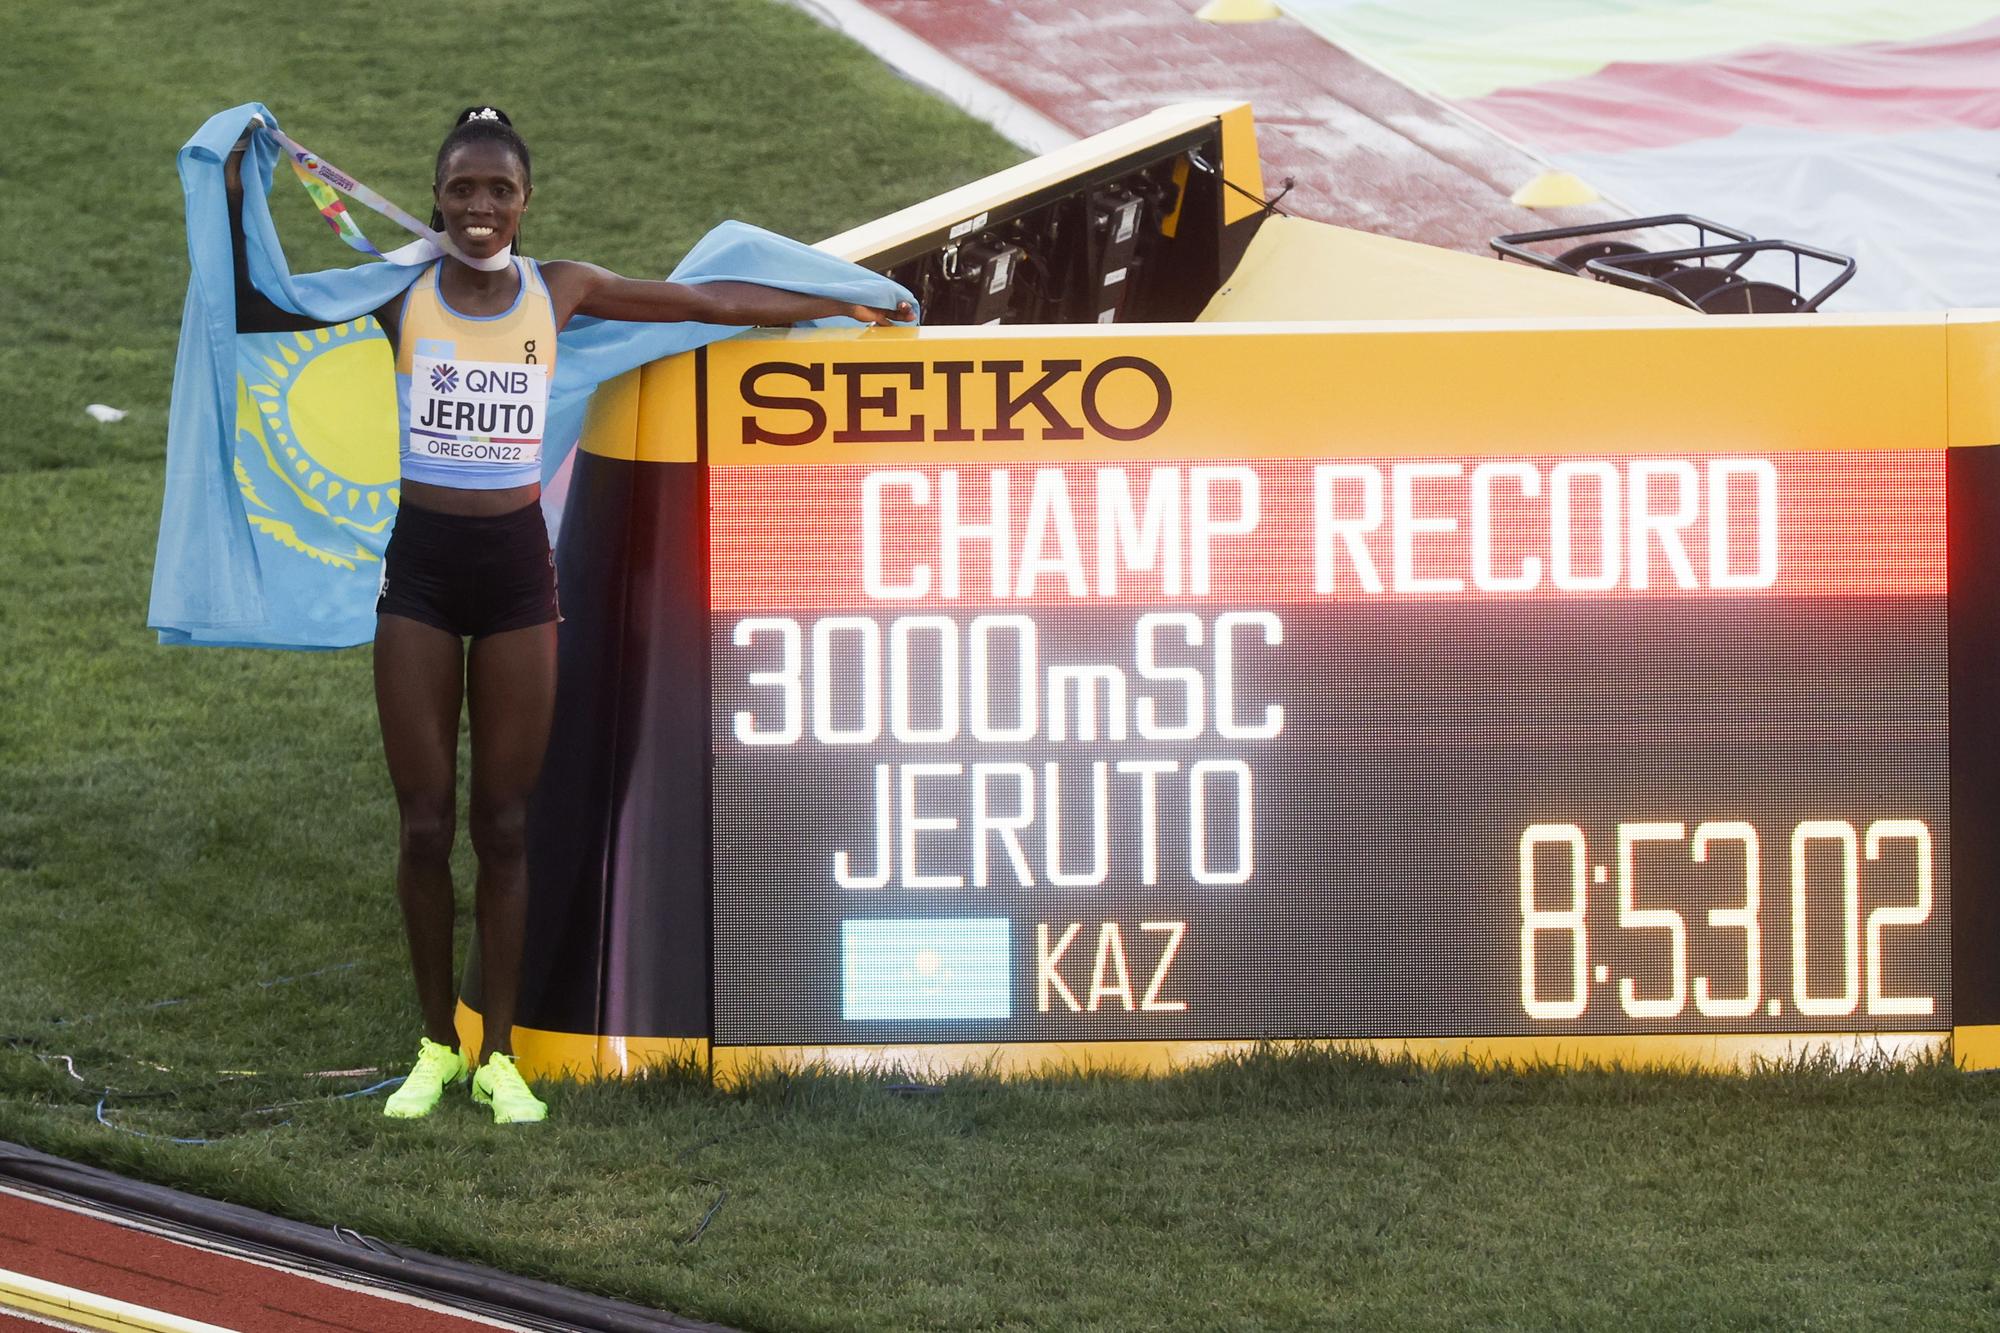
x=1584 y=689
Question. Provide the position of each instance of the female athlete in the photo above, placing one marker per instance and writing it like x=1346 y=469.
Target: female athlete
x=469 y=560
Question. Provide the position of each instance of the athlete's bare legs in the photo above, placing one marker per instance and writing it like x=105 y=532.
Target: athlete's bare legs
x=419 y=686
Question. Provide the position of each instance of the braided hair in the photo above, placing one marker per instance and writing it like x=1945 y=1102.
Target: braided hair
x=482 y=124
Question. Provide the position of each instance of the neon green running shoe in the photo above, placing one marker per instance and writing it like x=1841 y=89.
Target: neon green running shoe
x=498 y=1085
x=437 y=1068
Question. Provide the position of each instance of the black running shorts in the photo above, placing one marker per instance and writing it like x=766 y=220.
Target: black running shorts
x=470 y=575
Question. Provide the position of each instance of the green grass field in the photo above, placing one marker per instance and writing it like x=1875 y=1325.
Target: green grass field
x=195 y=845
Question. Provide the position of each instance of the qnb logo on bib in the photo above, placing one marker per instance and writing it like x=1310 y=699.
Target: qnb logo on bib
x=477 y=412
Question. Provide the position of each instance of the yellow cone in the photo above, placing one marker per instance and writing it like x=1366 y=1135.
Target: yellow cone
x=1237 y=11
x=1554 y=189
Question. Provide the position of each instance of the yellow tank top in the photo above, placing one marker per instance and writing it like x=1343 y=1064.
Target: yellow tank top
x=472 y=391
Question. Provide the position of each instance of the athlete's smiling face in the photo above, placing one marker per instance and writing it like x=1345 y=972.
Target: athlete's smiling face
x=481 y=194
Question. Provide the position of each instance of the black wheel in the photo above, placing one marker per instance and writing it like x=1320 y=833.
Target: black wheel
x=1576 y=257
x=1699 y=284
x=1751 y=298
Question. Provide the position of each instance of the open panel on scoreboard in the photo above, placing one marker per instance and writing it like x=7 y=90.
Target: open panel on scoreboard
x=1140 y=225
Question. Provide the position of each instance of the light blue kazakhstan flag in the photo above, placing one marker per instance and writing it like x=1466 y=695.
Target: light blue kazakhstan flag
x=281 y=479
x=314 y=461
x=925 y=968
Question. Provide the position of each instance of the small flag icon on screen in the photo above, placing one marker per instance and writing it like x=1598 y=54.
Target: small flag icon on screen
x=925 y=968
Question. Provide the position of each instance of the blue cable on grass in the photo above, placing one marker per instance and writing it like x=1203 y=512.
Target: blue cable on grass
x=142 y=1134
x=264 y=984
x=370 y=1090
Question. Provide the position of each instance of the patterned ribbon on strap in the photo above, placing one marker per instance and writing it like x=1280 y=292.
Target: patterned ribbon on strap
x=321 y=179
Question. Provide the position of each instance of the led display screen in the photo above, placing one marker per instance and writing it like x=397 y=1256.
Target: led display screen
x=1074 y=741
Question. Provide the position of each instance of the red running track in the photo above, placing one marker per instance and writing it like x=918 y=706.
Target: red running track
x=92 y=1253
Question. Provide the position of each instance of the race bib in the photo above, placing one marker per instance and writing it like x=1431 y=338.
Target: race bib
x=477 y=413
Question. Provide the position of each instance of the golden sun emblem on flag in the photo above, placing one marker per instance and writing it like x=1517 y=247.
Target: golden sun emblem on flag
x=317 y=410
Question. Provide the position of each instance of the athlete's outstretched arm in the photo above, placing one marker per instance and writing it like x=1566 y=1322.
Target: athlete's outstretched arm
x=586 y=289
